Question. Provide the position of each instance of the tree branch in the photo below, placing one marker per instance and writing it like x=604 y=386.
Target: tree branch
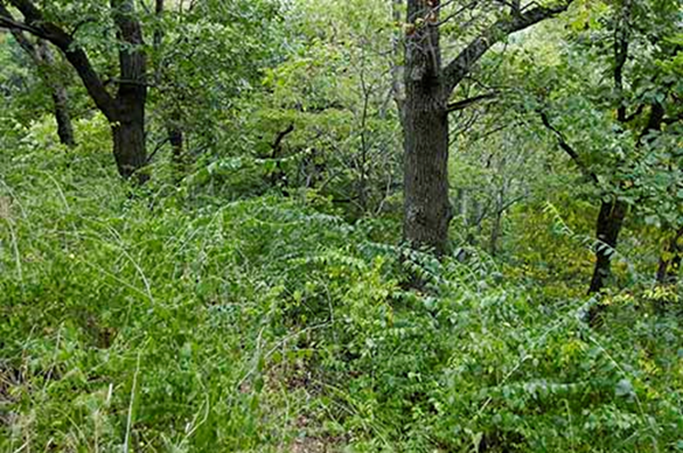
x=463 y=104
x=35 y=23
x=460 y=66
x=567 y=148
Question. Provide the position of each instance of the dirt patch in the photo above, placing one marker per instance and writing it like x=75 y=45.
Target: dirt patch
x=313 y=445
x=5 y=208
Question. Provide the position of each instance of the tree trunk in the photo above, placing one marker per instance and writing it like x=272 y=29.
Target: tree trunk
x=60 y=98
x=427 y=211
x=176 y=138
x=65 y=129
x=428 y=86
x=129 y=147
x=129 y=123
x=126 y=111
x=610 y=221
x=42 y=56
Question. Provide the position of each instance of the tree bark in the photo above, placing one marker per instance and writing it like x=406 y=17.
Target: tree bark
x=129 y=146
x=60 y=98
x=129 y=131
x=608 y=227
x=65 y=130
x=427 y=210
x=427 y=207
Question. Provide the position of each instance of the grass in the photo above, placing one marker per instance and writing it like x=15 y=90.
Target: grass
x=145 y=320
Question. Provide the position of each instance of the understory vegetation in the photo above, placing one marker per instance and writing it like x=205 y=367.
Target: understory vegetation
x=255 y=284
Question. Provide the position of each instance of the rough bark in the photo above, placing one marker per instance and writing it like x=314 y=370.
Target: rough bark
x=129 y=140
x=60 y=100
x=427 y=210
x=129 y=135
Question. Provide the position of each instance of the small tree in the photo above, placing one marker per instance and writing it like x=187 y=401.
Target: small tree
x=42 y=56
x=125 y=110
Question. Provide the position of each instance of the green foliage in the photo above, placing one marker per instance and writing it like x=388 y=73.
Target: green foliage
x=260 y=299
x=262 y=325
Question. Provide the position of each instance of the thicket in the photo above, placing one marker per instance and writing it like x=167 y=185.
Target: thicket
x=255 y=293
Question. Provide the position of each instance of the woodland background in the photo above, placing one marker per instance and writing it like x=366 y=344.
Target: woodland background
x=324 y=225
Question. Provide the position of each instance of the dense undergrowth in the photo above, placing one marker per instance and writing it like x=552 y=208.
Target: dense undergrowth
x=148 y=320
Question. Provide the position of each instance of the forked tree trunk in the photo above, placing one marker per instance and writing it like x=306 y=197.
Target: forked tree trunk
x=428 y=86
x=125 y=111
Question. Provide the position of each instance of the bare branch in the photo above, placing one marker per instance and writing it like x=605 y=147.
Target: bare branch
x=463 y=104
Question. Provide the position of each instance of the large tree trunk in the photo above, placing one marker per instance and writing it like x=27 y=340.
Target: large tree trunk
x=428 y=87
x=129 y=147
x=427 y=211
x=129 y=127
x=126 y=111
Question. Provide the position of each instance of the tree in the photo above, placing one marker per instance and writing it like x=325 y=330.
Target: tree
x=41 y=54
x=618 y=121
x=429 y=87
x=126 y=109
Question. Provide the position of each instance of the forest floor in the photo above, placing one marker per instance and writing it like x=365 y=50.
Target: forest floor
x=155 y=319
